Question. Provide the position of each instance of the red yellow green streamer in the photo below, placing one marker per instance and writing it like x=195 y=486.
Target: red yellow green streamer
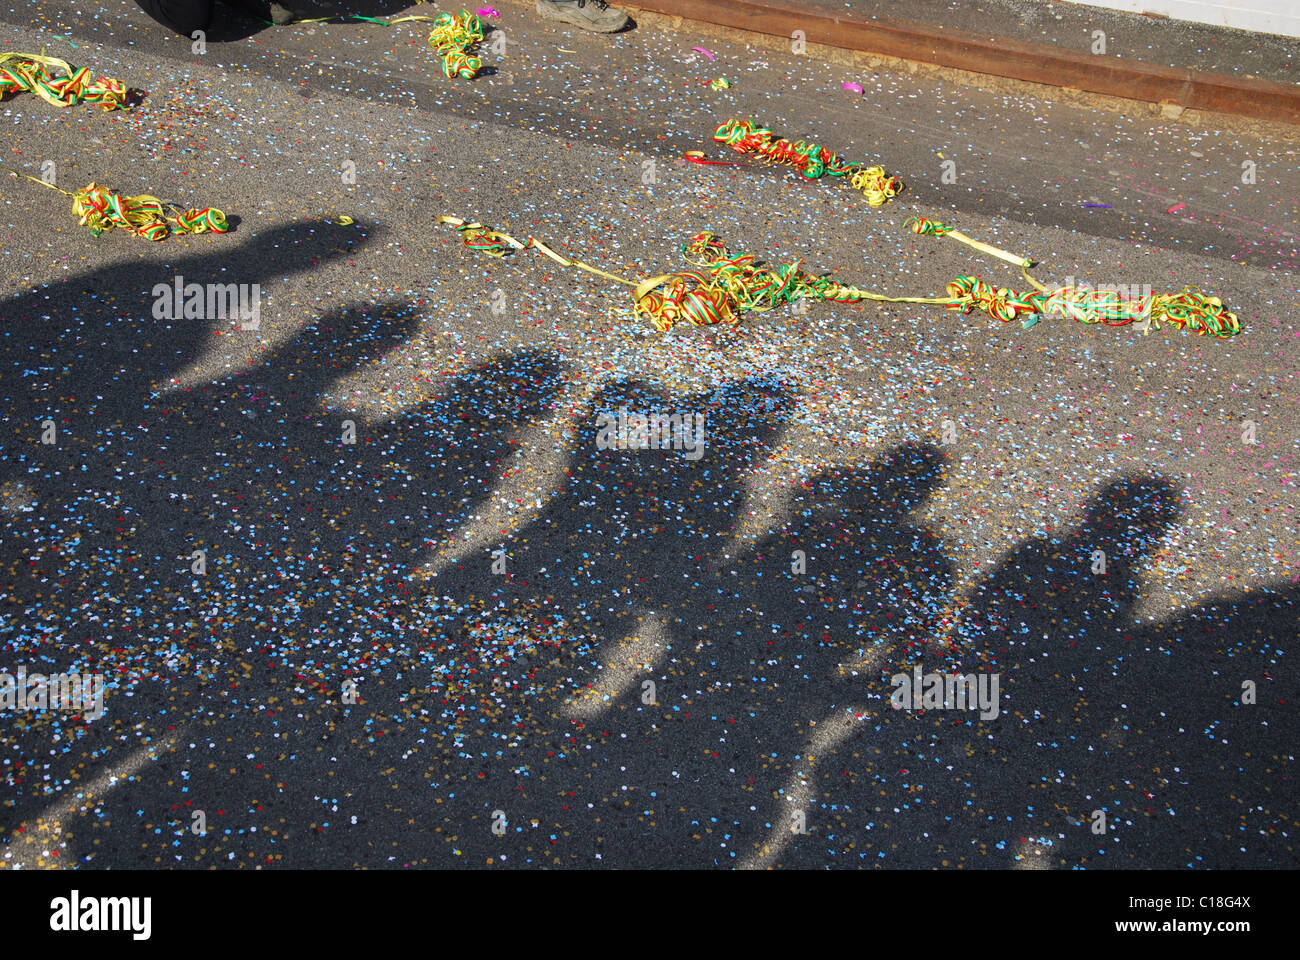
x=723 y=287
x=100 y=209
x=34 y=73
x=1188 y=309
x=452 y=39
x=812 y=161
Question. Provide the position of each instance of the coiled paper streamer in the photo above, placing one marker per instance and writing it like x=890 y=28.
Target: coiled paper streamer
x=100 y=209
x=811 y=160
x=452 y=38
x=1188 y=309
x=722 y=288
x=30 y=72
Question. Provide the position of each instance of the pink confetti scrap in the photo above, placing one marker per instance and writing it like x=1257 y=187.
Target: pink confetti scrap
x=855 y=87
x=705 y=52
x=1176 y=207
x=488 y=12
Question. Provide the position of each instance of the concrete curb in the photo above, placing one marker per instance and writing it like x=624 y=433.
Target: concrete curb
x=1035 y=63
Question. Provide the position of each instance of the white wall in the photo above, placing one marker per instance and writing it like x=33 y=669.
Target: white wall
x=1265 y=16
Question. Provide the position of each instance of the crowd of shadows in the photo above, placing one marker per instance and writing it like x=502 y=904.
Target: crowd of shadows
x=771 y=687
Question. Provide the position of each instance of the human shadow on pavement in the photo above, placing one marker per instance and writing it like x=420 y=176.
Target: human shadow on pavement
x=1140 y=717
x=310 y=539
x=510 y=690
x=771 y=702
x=96 y=525
x=746 y=655
x=1102 y=711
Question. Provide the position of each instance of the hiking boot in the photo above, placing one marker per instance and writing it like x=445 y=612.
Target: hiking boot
x=594 y=15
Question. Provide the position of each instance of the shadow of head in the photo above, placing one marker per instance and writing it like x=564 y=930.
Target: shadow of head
x=731 y=427
x=1129 y=515
x=885 y=491
x=479 y=407
x=869 y=512
x=902 y=478
x=505 y=390
x=99 y=330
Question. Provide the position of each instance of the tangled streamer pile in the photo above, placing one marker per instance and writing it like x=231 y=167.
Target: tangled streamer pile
x=1188 y=309
x=101 y=209
x=812 y=161
x=722 y=288
x=31 y=73
x=452 y=38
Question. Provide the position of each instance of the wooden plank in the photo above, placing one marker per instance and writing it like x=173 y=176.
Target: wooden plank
x=1035 y=63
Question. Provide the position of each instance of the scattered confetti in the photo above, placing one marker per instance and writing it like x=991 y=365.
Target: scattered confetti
x=877 y=486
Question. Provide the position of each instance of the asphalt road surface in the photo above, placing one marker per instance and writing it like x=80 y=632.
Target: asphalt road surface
x=475 y=636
